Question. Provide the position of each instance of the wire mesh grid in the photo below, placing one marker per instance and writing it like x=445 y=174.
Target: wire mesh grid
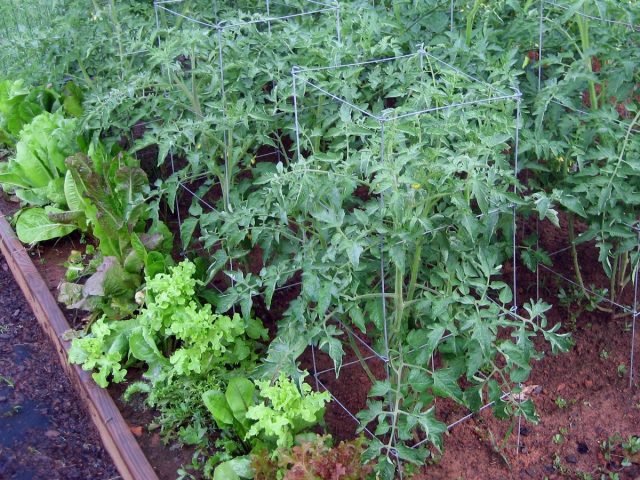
x=218 y=109
x=495 y=95
x=371 y=354
x=274 y=11
x=373 y=357
x=455 y=10
x=377 y=120
x=612 y=15
x=212 y=17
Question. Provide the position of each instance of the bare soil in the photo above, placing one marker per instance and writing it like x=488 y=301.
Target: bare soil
x=45 y=433
x=586 y=404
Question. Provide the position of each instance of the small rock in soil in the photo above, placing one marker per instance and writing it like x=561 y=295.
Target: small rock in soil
x=51 y=434
x=571 y=459
x=582 y=448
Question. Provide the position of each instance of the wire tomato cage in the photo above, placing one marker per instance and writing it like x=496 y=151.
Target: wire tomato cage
x=212 y=32
x=579 y=99
x=214 y=100
x=380 y=129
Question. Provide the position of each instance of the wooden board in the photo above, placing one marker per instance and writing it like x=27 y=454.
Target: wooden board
x=114 y=431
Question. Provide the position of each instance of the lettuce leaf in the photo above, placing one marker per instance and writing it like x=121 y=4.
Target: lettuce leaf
x=35 y=225
x=18 y=106
x=38 y=167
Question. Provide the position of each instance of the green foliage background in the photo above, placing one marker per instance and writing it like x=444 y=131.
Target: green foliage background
x=404 y=240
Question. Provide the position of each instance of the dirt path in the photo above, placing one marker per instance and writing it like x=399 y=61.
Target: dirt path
x=45 y=433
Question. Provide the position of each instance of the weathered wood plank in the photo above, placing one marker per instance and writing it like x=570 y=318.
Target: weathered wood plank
x=114 y=431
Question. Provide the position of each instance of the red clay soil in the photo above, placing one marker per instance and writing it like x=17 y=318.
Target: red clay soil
x=586 y=406
x=584 y=399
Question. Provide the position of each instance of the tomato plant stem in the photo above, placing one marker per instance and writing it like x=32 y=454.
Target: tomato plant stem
x=361 y=359
x=576 y=261
x=471 y=19
x=613 y=279
x=399 y=302
x=574 y=252
x=583 y=27
x=415 y=268
x=396 y=408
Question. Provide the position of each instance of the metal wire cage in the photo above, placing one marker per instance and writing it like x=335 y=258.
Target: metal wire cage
x=586 y=92
x=387 y=114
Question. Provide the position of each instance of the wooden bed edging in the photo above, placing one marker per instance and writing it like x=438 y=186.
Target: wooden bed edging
x=114 y=431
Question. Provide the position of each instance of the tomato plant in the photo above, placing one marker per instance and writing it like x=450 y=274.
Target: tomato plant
x=586 y=125
x=400 y=225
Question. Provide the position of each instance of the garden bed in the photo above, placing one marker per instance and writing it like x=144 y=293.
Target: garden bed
x=358 y=199
x=45 y=430
x=114 y=432
x=586 y=406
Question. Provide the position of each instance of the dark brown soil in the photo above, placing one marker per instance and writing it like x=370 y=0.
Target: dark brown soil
x=49 y=259
x=45 y=433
